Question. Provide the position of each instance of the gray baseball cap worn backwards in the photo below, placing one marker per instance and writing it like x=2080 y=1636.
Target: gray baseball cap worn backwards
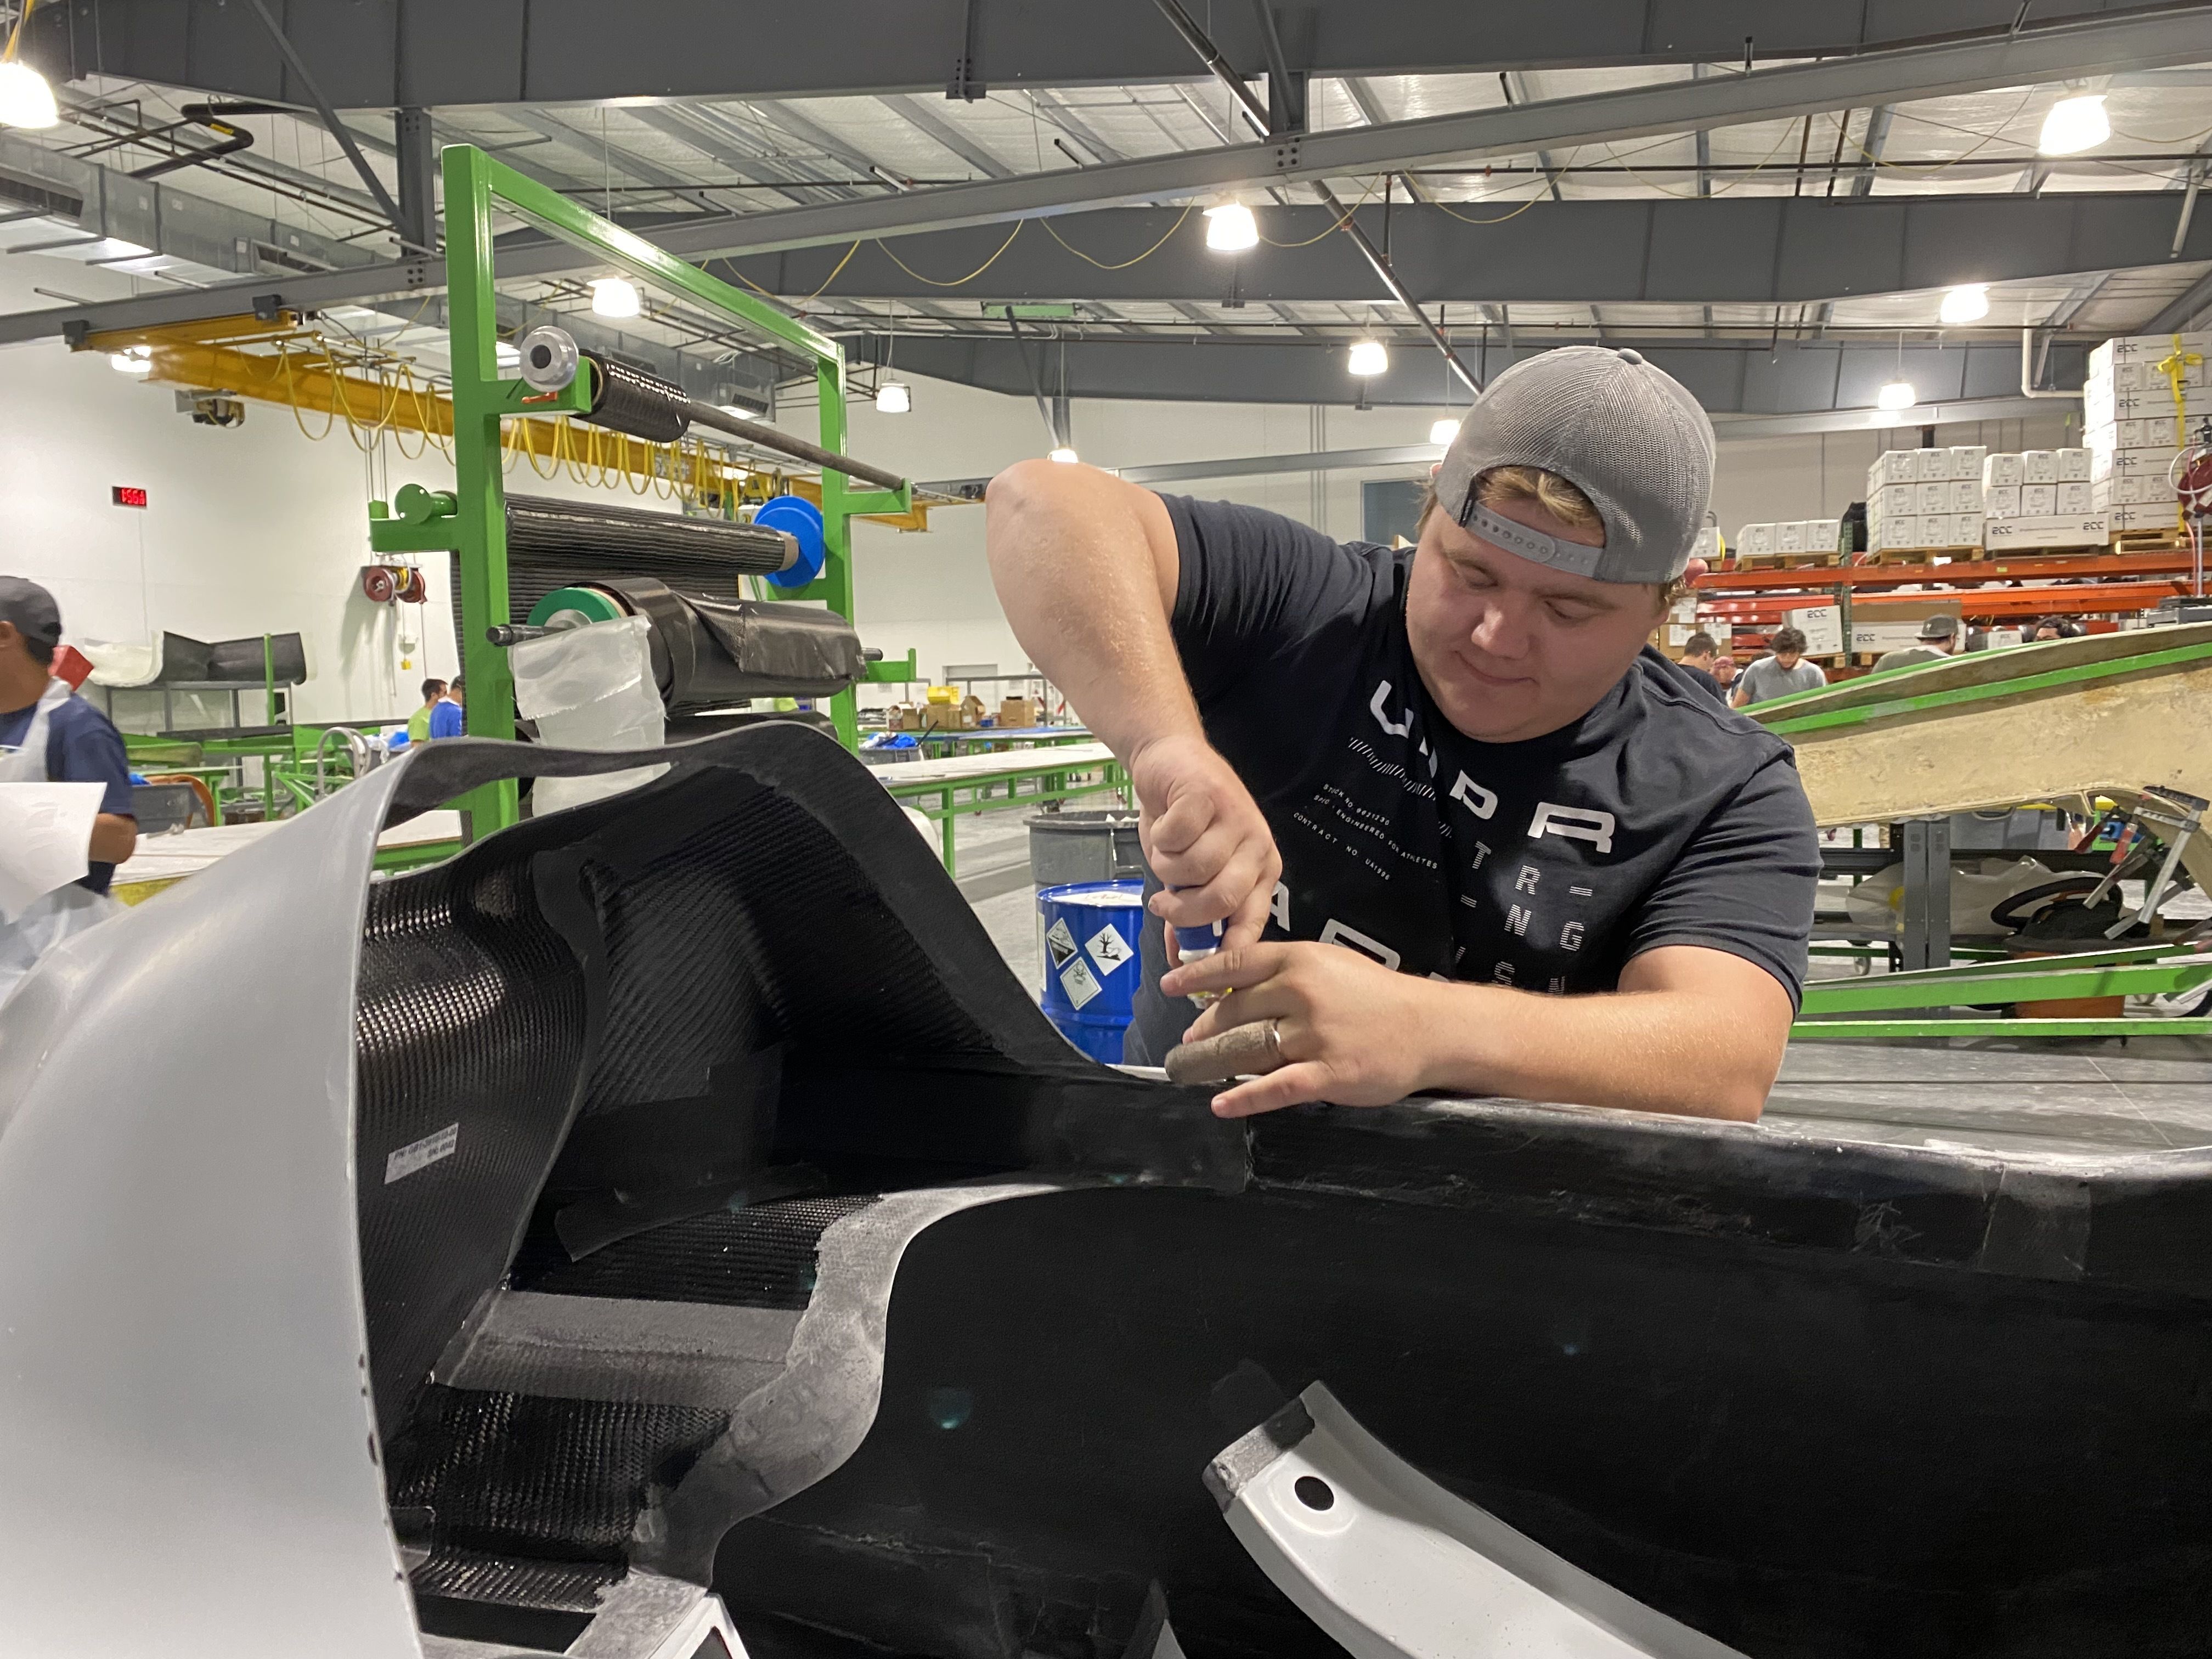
x=31 y=608
x=1628 y=435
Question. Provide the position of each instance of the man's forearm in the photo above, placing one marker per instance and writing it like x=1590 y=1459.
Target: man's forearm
x=1653 y=1051
x=1074 y=557
x=114 y=838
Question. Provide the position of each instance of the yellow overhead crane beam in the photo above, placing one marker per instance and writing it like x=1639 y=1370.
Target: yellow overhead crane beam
x=294 y=365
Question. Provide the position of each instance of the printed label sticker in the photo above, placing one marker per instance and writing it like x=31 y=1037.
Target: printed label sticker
x=1108 y=949
x=1080 y=984
x=421 y=1154
x=1061 y=942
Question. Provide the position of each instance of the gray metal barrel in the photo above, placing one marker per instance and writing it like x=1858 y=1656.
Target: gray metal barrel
x=1088 y=845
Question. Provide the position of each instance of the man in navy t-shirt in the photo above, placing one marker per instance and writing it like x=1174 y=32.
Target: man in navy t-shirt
x=1466 y=831
x=82 y=746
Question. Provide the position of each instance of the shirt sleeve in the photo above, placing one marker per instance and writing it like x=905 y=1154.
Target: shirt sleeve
x=1253 y=582
x=88 y=750
x=1746 y=882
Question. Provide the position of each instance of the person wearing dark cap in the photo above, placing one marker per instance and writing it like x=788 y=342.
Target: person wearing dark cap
x=48 y=734
x=1438 y=798
x=1939 y=638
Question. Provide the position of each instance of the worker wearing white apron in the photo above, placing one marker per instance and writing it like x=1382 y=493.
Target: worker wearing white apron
x=59 y=722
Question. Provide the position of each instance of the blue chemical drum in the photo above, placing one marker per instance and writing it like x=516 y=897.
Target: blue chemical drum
x=1089 y=932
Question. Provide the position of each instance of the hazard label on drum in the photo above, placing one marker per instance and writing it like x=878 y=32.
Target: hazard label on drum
x=1108 y=949
x=1060 y=942
x=1079 y=983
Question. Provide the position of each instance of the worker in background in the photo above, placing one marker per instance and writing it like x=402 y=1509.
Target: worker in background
x=448 y=718
x=1779 y=675
x=48 y=734
x=1699 y=652
x=418 y=723
x=1458 y=760
x=1939 y=637
x=1723 y=671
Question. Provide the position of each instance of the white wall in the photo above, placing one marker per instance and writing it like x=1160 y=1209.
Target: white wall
x=249 y=529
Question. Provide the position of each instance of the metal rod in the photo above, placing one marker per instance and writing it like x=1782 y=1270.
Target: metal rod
x=1255 y=113
x=339 y=129
x=769 y=437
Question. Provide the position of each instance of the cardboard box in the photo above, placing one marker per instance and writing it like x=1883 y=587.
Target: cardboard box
x=2155 y=490
x=2073 y=465
x=2039 y=500
x=2131 y=462
x=1823 y=535
x=1967 y=461
x=2001 y=471
x=2001 y=500
x=2102 y=407
x=2080 y=530
x=1755 y=538
x=1790 y=536
x=2142 y=348
x=2150 y=515
x=1894 y=499
x=1901 y=532
x=1966 y=495
x=1933 y=498
x=2074 y=497
x=1966 y=530
x=1822 y=626
x=2038 y=466
x=1019 y=712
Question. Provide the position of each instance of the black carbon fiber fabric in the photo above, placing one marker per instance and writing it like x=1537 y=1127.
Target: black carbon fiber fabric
x=521 y=1478
x=561 y=1586
x=469 y=1029
x=724 y=937
x=759 y=1257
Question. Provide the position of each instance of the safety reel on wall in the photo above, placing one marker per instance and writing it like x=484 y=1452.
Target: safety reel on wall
x=395 y=585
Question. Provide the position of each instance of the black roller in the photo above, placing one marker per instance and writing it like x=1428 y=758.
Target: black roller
x=551 y=544
x=710 y=653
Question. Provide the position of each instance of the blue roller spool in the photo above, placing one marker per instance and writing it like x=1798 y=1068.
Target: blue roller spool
x=801 y=519
x=1089 y=932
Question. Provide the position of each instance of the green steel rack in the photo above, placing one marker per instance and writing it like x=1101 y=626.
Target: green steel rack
x=472 y=521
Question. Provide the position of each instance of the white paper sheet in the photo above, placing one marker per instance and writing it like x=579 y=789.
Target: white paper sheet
x=45 y=837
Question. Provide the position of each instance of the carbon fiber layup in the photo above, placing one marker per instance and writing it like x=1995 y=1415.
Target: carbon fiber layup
x=618 y=1072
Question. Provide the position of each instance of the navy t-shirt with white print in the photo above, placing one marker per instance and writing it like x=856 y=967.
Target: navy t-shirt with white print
x=1659 y=817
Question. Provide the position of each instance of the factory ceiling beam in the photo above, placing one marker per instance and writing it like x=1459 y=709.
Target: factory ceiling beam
x=380 y=54
x=1738 y=249
x=2035 y=54
x=1795 y=380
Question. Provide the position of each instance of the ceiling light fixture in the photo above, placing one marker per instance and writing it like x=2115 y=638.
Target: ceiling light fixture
x=1064 y=453
x=1898 y=394
x=132 y=360
x=894 y=397
x=2075 y=124
x=1231 y=229
x=1368 y=358
x=1444 y=432
x=26 y=100
x=1966 y=304
x=614 y=296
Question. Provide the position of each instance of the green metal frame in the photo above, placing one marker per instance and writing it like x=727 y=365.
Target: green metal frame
x=2056 y=679
x=476 y=526
x=2125 y=970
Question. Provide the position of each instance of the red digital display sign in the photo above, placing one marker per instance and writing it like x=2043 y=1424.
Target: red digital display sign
x=129 y=496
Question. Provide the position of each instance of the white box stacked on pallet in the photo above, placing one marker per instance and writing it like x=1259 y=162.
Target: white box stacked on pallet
x=1924 y=498
x=2129 y=411
x=1755 y=540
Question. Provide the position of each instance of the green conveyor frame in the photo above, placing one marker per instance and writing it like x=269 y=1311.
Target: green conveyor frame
x=476 y=187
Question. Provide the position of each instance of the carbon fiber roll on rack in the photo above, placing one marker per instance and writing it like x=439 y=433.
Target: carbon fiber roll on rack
x=626 y=400
x=554 y=543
